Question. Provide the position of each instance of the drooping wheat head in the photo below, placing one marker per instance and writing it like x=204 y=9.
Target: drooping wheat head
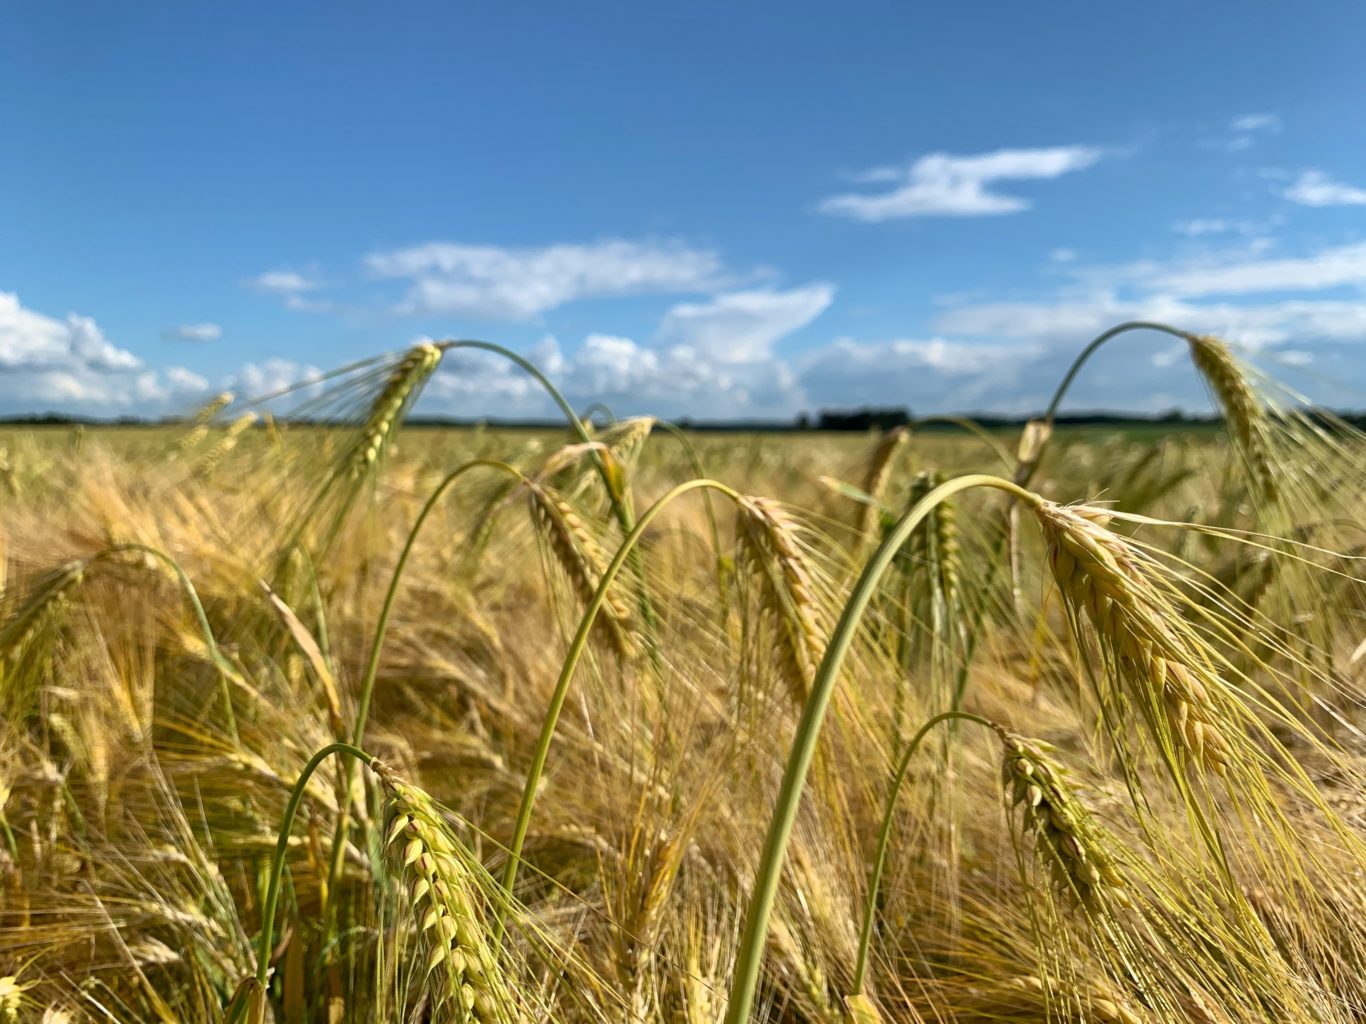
x=399 y=392
x=199 y=425
x=462 y=975
x=772 y=554
x=581 y=557
x=221 y=448
x=1099 y=574
x=1065 y=837
x=878 y=470
x=43 y=610
x=1244 y=412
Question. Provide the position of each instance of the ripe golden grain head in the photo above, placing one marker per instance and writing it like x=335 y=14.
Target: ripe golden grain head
x=1100 y=575
x=1064 y=835
x=1246 y=415
x=879 y=468
x=405 y=381
x=770 y=549
x=463 y=976
x=582 y=559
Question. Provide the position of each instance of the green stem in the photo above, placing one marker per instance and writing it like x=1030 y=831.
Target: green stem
x=1132 y=325
x=277 y=867
x=561 y=691
x=367 y=688
x=752 y=940
x=621 y=502
x=983 y=435
x=885 y=836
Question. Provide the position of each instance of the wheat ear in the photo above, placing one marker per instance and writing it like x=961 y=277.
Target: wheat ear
x=42 y=610
x=581 y=557
x=1064 y=835
x=199 y=425
x=878 y=470
x=465 y=980
x=1097 y=572
x=404 y=382
x=209 y=461
x=1245 y=414
x=768 y=539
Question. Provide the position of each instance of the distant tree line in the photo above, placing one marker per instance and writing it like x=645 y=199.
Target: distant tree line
x=864 y=419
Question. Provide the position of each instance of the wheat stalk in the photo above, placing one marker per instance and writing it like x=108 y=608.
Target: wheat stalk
x=1245 y=414
x=1098 y=573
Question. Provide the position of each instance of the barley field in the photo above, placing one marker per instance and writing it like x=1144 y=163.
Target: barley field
x=311 y=717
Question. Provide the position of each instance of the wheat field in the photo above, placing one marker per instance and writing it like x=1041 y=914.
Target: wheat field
x=318 y=718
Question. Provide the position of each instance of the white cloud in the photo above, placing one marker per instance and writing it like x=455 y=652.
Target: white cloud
x=498 y=283
x=942 y=185
x=1256 y=123
x=1315 y=188
x=193 y=332
x=1063 y=255
x=269 y=376
x=711 y=359
x=55 y=365
x=33 y=341
x=741 y=327
x=284 y=282
x=1327 y=268
x=1243 y=132
x=1201 y=226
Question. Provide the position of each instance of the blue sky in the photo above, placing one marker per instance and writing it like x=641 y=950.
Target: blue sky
x=711 y=209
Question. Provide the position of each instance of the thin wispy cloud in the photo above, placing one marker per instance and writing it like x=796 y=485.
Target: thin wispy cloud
x=1244 y=131
x=1316 y=188
x=283 y=282
x=499 y=283
x=193 y=332
x=944 y=185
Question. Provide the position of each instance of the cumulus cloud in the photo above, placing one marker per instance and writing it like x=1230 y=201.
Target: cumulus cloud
x=193 y=332
x=497 y=283
x=741 y=327
x=1315 y=188
x=943 y=185
x=33 y=341
x=269 y=376
x=53 y=364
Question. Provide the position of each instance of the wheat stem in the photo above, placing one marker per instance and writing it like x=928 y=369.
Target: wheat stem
x=884 y=836
x=571 y=661
x=265 y=943
x=746 y=978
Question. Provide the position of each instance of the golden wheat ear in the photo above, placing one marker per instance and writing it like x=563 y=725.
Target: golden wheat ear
x=581 y=557
x=772 y=553
x=1098 y=574
x=1065 y=837
x=463 y=977
x=1243 y=410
